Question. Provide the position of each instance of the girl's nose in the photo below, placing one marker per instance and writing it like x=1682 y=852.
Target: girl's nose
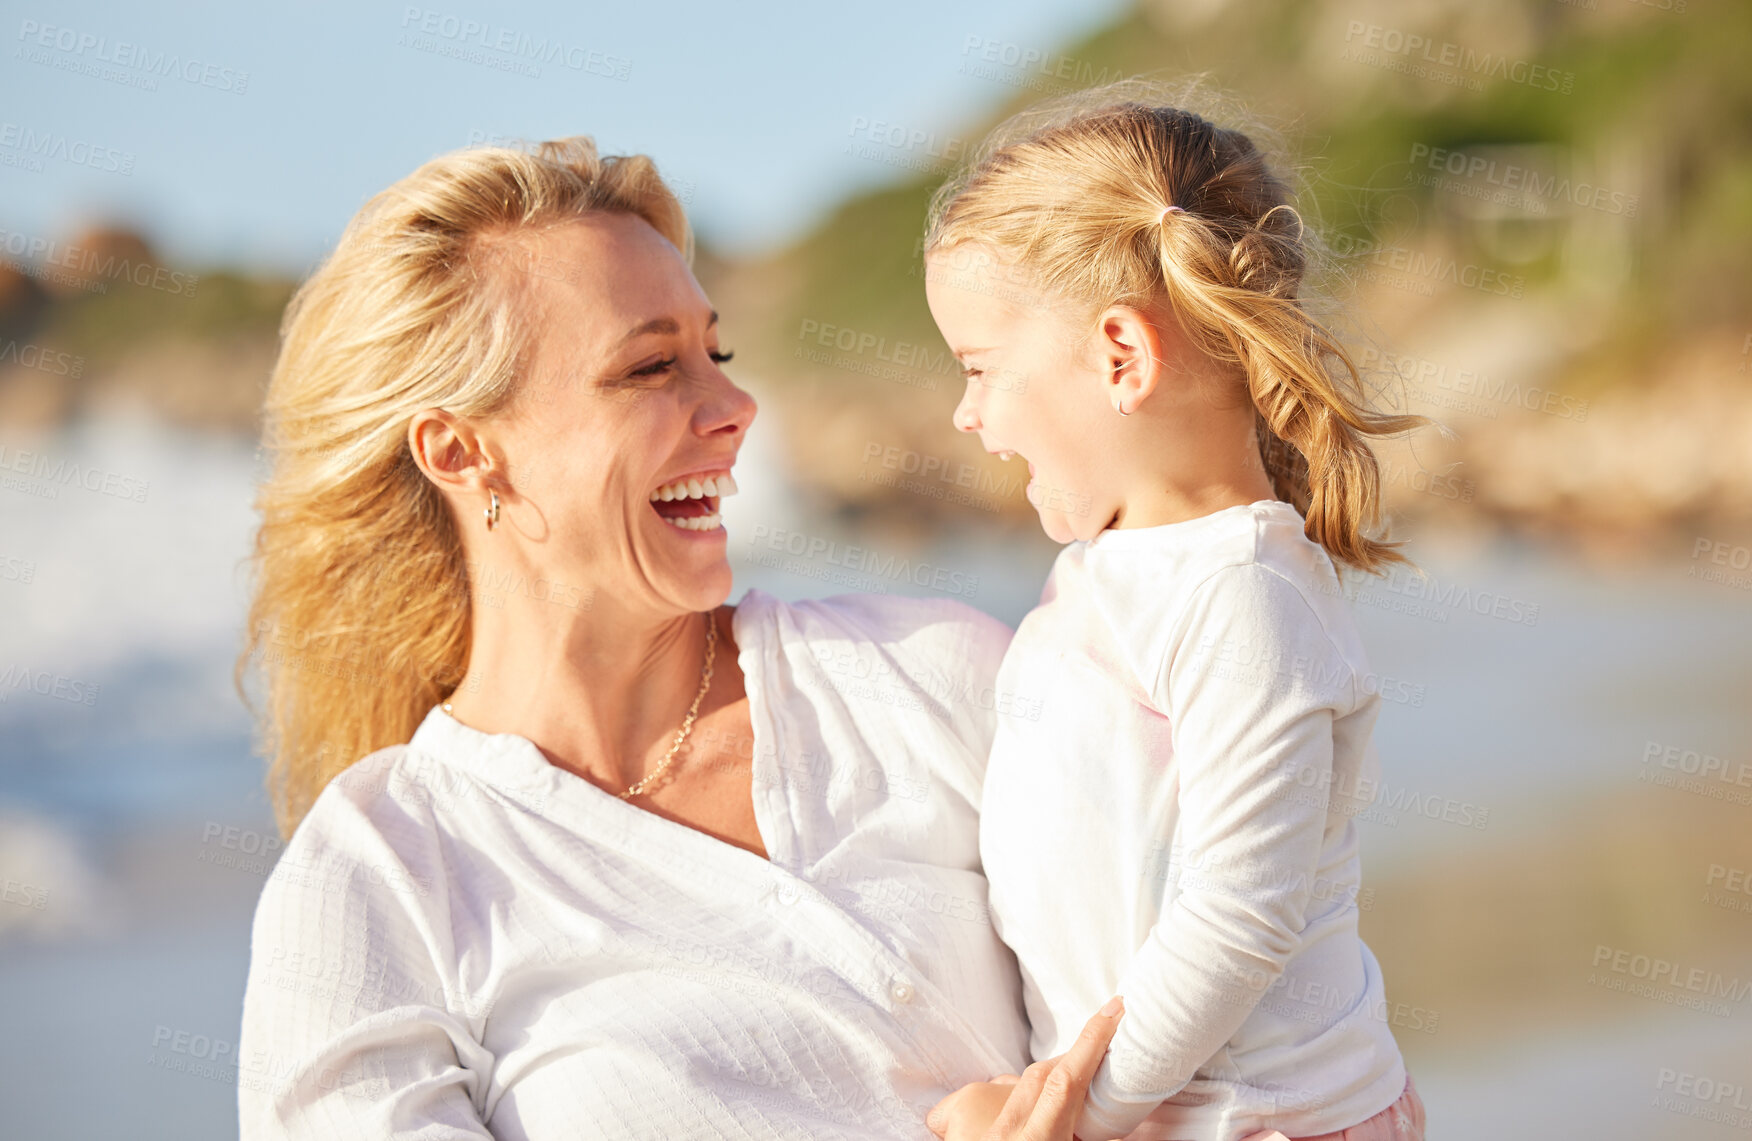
x=966 y=418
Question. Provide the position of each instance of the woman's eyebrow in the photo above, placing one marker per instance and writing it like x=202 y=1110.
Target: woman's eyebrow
x=667 y=325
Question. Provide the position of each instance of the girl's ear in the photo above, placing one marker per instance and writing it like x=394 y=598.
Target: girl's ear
x=1131 y=353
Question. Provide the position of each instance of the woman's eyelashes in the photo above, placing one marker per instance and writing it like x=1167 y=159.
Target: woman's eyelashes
x=659 y=367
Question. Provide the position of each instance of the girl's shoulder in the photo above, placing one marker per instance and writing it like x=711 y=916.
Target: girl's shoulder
x=1165 y=568
x=1242 y=583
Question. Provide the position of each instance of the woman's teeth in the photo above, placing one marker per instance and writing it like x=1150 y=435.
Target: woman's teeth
x=718 y=486
x=709 y=491
x=695 y=522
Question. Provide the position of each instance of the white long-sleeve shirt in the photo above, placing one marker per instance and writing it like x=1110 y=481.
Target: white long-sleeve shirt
x=1176 y=828
x=462 y=940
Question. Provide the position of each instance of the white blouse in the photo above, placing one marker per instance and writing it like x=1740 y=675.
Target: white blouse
x=464 y=940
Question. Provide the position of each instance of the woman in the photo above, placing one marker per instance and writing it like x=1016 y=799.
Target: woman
x=646 y=865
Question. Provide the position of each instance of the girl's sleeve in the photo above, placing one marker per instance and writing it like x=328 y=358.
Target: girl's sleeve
x=352 y=1023
x=1251 y=687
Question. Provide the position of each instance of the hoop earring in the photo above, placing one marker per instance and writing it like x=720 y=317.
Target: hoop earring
x=492 y=512
x=1120 y=408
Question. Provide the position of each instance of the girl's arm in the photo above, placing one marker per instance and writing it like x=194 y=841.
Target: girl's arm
x=1250 y=688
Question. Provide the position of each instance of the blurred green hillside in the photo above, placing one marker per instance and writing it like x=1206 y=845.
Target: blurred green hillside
x=1629 y=253
x=1597 y=155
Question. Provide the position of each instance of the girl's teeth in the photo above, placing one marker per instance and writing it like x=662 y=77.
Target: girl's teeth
x=696 y=523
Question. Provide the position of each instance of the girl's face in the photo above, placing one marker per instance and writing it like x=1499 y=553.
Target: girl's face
x=1034 y=386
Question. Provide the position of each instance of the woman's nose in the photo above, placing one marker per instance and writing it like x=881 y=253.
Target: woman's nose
x=730 y=407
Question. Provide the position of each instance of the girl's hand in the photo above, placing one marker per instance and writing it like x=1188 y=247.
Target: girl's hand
x=1042 y=1104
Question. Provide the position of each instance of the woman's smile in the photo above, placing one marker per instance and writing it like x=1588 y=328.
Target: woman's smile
x=690 y=503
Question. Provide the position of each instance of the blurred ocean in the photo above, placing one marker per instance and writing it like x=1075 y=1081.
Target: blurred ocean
x=135 y=831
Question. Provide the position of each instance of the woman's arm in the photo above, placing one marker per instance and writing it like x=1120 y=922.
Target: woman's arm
x=350 y=1028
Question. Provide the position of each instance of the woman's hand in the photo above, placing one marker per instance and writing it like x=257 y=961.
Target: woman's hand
x=1042 y=1104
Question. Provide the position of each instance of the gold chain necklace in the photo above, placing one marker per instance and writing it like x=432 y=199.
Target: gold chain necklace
x=687 y=723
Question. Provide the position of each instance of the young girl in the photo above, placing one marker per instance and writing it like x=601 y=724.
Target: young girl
x=1121 y=286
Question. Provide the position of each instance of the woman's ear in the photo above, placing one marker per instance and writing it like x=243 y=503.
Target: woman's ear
x=1131 y=353
x=450 y=451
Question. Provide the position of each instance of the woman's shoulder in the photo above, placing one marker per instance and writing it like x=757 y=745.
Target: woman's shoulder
x=369 y=835
x=932 y=633
x=917 y=674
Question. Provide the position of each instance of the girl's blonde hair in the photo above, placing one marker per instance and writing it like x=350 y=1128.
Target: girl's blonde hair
x=361 y=608
x=1073 y=193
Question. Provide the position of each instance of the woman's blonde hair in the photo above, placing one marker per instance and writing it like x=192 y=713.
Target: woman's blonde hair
x=360 y=614
x=1073 y=193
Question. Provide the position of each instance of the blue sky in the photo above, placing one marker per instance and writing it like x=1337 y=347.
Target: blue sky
x=267 y=129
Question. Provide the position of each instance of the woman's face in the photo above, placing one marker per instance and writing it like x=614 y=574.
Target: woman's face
x=623 y=418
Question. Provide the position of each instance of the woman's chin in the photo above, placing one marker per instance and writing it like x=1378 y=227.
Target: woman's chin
x=708 y=586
